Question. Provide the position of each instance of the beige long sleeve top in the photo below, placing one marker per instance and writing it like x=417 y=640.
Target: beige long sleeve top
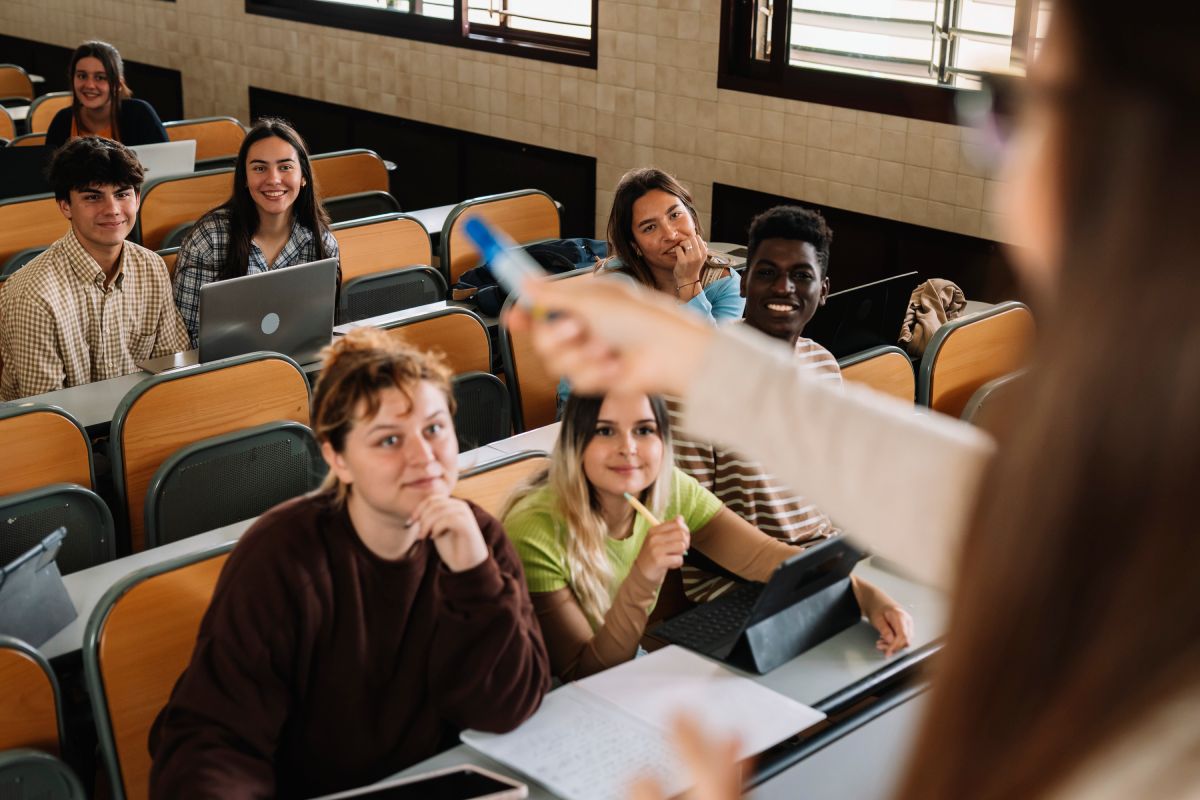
x=902 y=484
x=850 y=451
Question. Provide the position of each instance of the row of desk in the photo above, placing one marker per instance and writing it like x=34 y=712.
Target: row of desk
x=851 y=758
x=87 y=586
x=873 y=707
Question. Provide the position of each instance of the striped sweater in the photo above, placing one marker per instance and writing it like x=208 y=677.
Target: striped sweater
x=742 y=485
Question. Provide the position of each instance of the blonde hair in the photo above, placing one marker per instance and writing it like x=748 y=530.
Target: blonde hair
x=355 y=369
x=578 y=505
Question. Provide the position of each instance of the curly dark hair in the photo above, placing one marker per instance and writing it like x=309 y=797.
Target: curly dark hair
x=792 y=222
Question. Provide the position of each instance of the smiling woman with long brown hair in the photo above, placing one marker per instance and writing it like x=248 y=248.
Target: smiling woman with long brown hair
x=1072 y=665
x=102 y=103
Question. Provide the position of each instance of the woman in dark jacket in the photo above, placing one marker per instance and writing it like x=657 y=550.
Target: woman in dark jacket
x=101 y=103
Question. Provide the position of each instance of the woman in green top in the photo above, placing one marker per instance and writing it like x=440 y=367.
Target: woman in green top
x=594 y=567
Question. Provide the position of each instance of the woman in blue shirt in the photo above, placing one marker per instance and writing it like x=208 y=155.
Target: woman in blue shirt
x=655 y=238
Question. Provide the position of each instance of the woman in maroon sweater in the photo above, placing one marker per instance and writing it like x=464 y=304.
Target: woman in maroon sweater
x=357 y=630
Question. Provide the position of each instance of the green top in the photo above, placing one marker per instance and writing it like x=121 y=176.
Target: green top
x=539 y=534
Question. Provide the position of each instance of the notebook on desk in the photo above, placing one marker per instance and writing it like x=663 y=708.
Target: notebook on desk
x=287 y=310
x=757 y=626
x=591 y=738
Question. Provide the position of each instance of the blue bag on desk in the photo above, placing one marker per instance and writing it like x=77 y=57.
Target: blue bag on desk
x=556 y=256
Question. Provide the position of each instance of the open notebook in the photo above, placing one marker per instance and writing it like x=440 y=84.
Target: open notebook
x=591 y=739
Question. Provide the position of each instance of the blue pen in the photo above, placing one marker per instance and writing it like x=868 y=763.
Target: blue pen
x=511 y=265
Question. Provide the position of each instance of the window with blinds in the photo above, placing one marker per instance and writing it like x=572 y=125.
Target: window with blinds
x=943 y=42
x=553 y=30
x=876 y=54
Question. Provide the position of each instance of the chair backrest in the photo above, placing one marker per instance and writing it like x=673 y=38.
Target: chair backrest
x=361 y=205
x=167 y=412
x=528 y=215
x=490 y=485
x=176 y=235
x=216 y=137
x=137 y=643
x=886 y=369
x=349 y=172
x=29 y=704
x=968 y=352
x=43 y=109
x=26 y=518
x=42 y=445
x=175 y=199
x=229 y=478
x=484 y=412
x=168 y=255
x=27 y=774
x=534 y=390
x=30 y=222
x=18 y=260
x=456 y=333
x=393 y=290
x=378 y=244
x=8 y=128
x=28 y=140
x=15 y=82
x=989 y=397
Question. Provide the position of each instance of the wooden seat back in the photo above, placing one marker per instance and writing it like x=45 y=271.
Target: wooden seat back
x=533 y=388
x=172 y=201
x=456 y=333
x=490 y=485
x=43 y=109
x=29 y=140
x=169 y=411
x=968 y=352
x=29 y=703
x=992 y=399
x=526 y=216
x=8 y=128
x=349 y=172
x=138 y=642
x=379 y=244
x=885 y=369
x=15 y=82
x=216 y=137
x=42 y=445
x=30 y=222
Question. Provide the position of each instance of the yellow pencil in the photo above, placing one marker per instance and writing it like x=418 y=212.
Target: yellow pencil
x=641 y=509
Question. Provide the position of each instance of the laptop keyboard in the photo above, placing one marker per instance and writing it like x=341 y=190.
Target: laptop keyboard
x=706 y=626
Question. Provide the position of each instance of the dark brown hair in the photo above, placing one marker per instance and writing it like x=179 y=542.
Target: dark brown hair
x=242 y=213
x=88 y=161
x=621 y=246
x=118 y=90
x=354 y=370
x=1075 y=606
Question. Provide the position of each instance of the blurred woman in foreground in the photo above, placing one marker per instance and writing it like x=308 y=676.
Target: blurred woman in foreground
x=1073 y=665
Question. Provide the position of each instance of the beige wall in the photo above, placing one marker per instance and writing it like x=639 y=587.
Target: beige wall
x=653 y=100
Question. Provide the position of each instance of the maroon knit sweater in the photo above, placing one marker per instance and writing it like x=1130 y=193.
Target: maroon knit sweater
x=320 y=666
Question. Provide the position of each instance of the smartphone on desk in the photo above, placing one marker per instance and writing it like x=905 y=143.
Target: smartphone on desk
x=464 y=782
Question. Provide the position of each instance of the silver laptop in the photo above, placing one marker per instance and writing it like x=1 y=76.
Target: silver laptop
x=288 y=310
x=167 y=158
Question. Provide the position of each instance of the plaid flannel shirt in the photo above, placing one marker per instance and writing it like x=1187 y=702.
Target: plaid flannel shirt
x=61 y=326
x=203 y=252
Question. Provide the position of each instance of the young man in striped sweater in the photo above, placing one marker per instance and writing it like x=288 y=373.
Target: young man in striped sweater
x=785 y=281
